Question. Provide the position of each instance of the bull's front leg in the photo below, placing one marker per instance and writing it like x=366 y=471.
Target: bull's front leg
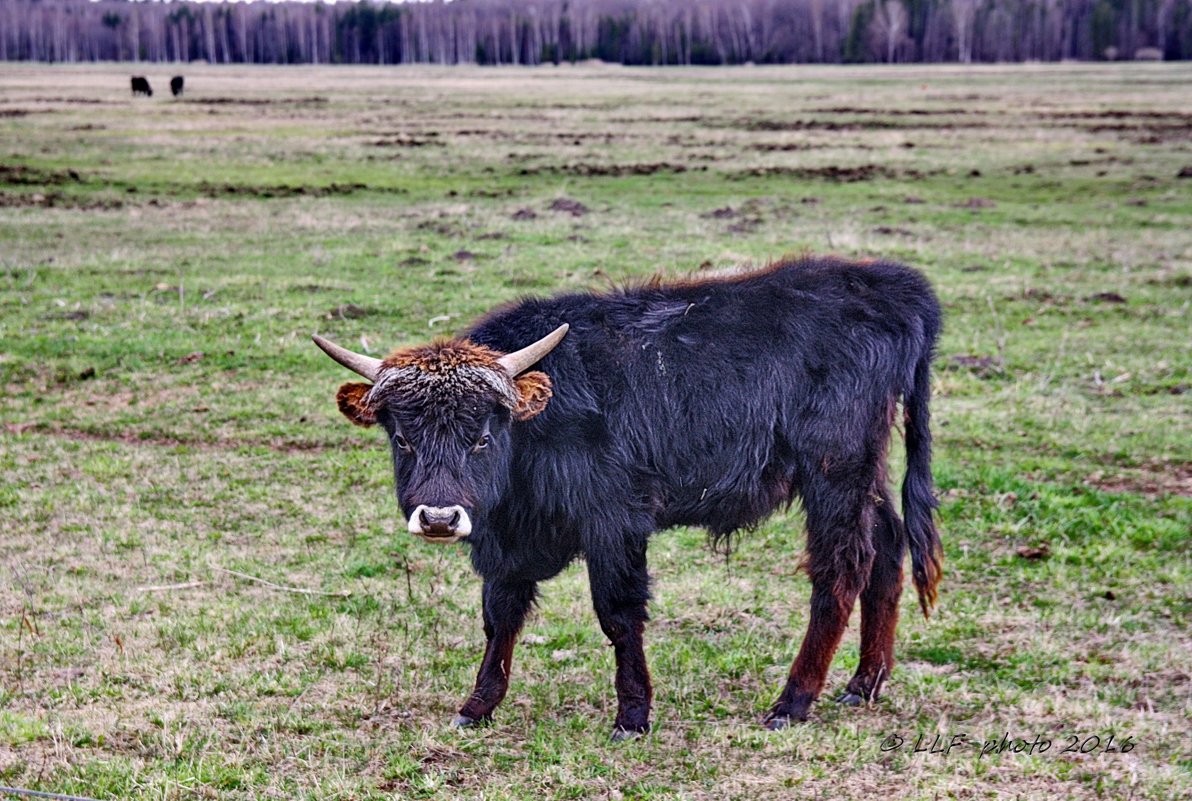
x=506 y=605
x=620 y=587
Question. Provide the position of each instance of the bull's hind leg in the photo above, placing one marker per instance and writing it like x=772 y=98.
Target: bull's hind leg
x=620 y=590
x=879 y=606
x=506 y=605
x=840 y=522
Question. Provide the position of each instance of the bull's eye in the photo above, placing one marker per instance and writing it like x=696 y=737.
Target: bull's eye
x=481 y=443
x=402 y=443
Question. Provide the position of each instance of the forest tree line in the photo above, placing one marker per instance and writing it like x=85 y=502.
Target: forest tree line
x=636 y=32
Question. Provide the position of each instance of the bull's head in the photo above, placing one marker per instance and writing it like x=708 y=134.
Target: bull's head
x=447 y=408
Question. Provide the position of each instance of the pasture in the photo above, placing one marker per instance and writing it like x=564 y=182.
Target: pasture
x=168 y=433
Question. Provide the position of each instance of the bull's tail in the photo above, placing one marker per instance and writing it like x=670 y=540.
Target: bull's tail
x=918 y=498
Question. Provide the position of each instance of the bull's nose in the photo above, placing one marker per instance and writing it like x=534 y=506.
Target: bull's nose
x=440 y=522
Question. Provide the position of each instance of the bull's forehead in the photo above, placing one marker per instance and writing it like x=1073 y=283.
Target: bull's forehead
x=453 y=375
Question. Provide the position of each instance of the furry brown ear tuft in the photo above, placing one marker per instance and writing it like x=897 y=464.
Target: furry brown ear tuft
x=533 y=393
x=350 y=398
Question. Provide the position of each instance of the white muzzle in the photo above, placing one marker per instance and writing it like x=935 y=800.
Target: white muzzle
x=442 y=524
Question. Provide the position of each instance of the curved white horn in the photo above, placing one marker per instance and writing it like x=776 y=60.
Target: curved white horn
x=366 y=366
x=519 y=361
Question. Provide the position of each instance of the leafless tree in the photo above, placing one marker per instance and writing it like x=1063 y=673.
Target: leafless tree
x=889 y=25
x=629 y=31
x=964 y=12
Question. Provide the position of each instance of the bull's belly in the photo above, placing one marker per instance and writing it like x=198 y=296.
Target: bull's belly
x=723 y=512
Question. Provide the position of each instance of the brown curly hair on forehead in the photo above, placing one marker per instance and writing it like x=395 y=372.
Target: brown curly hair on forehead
x=446 y=354
x=446 y=373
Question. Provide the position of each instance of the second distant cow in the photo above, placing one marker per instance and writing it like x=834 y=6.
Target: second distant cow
x=176 y=85
x=140 y=86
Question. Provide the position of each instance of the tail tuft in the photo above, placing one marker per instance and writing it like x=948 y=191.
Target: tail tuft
x=918 y=496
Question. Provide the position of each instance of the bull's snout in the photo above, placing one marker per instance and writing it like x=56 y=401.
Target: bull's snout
x=440 y=523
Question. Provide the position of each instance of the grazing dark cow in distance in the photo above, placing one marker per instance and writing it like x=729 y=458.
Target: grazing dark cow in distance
x=176 y=85
x=140 y=86
x=705 y=403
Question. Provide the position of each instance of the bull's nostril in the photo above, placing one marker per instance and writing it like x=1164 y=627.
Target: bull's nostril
x=446 y=523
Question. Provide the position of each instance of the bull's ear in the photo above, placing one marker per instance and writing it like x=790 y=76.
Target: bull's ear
x=533 y=393
x=351 y=402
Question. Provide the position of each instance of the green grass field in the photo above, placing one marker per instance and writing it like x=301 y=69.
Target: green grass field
x=164 y=419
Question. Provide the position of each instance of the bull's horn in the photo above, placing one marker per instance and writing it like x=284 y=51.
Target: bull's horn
x=367 y=366
x=519 y=361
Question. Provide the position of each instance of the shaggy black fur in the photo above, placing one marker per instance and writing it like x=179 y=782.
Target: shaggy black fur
x=708 y=403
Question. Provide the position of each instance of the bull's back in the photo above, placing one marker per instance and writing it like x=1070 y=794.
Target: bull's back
x=698 y=397
x=731 y=346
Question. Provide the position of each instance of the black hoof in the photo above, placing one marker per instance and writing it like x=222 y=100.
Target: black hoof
x=850 y=699
x=621 y=735
x=463 y=722
x=778 y=722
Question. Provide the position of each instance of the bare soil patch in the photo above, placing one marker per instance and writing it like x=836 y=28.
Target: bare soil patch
x=539 y=137
x=349 y=311
x=21 y=175
x=1152 y=481
x=794 y=147
x=86 y=101
x=836 y=174
x=257 y=101
x=853 y=125
x=409 y=141
x=726 y=213
x=899 y=112
x=979 y=366
x=568 y=206
x=588 y=170
x=58 y=200
x=279 y=190
x=1121 y=114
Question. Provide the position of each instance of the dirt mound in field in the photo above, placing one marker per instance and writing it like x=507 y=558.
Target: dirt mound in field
x=834 y=173
x=898 y=112
x=592 y=170
x=409 y=141
x=852 y=125
x=1120 y=114
x=20 y=175
x=568 y=206
x=285 y=190
x=255 y=101
x=58 y=200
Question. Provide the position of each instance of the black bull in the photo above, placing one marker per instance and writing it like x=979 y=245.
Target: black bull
x=704 y=403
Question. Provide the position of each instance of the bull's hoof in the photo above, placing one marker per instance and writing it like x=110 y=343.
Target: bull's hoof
x=464 y=722
x=778 y=722
x=621 y=735
x=847 y=698
x=784 y=717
